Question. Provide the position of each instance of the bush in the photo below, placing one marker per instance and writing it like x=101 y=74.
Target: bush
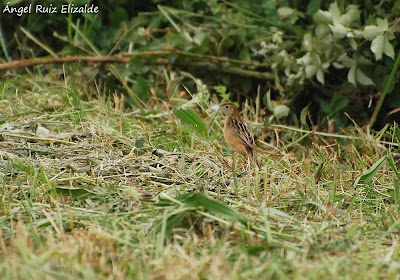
x=335 y=56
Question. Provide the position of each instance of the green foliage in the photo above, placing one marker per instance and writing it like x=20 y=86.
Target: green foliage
x=190 y=202
x=303 y=114
x=347 y=47
x=367 y=176
x=141 y=89
x=335 y=107
x=221 y=90
x=191 y=118
x=339 y=35
x=77 y=193
x=353 y=39
x=380 y=36
x=388 y=88
x=201 y=202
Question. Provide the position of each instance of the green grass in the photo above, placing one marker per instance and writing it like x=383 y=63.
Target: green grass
x=101 y=194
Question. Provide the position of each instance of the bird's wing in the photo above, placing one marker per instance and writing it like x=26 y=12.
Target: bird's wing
x=239 y=129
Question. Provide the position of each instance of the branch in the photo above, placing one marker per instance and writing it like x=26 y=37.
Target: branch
x=67 y=59
x=214 y=63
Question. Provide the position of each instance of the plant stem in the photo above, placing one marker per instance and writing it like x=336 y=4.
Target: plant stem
x=388 y=85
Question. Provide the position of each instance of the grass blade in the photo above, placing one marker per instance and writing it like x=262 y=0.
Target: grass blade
x=191 y=118
x=367 y=176
x=199 y=200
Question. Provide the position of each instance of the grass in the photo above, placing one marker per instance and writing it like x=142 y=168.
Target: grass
x=90 y=192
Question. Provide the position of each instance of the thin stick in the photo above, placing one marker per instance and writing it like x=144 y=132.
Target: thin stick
x=37 y=138
x=326 y=134
x=67 y=59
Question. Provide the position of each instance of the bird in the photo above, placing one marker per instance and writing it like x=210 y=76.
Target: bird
x=236 y=133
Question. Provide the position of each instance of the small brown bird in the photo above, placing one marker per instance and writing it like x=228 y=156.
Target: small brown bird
x=236 y=134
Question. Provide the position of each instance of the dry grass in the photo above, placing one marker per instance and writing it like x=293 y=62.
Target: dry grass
x=89 y=192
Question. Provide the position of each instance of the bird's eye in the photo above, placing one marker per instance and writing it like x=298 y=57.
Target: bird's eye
x=226 y=107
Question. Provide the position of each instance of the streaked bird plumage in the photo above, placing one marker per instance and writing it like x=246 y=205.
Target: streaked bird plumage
x=236 y=133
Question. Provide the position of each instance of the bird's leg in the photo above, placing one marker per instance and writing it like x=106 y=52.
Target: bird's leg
x=234 y=174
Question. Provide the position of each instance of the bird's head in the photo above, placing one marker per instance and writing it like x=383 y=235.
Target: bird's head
x=227 y=108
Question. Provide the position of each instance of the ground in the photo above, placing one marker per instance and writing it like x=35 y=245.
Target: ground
x=91 y=191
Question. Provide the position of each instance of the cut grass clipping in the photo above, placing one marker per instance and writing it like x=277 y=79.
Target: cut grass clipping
x=89 y=192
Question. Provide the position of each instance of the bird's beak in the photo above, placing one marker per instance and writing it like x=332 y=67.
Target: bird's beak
x=215 y=107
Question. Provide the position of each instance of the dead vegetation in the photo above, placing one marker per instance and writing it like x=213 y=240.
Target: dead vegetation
x=88 y=192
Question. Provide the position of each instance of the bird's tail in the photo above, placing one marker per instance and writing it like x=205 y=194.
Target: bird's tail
x=253 y=158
